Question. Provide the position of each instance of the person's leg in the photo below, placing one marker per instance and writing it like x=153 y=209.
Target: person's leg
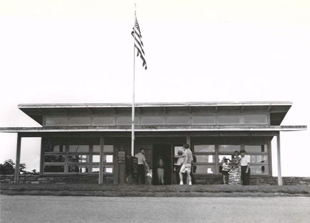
x=138 y=174
x=163 y=176
x=177 y=173
x=181 y=178
x=247 y=177
x=181 y=175
x=224 y=179
x=243 y=169
x=189 y=178
x=158 y=175
x=142 y=174
x=162 y=172
x=192 y=176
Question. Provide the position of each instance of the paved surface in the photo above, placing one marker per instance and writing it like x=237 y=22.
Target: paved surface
x=151 y=209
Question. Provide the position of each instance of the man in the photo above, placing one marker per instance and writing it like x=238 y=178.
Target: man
x=245 y=168
x=187 y=164
x=141 y=163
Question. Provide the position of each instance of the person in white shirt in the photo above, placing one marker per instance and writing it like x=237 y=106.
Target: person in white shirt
x=178 y=164
x=187 y=164
x=141 y=163
x=245 y=167
x=225 y=170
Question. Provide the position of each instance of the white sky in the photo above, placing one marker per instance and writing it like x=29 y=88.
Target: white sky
x=82 y=51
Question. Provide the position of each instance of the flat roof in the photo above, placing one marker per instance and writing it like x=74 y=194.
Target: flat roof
x=154 y=104
x=277 y=109
x=211 y=128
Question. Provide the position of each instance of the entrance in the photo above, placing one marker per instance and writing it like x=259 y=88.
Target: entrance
x=163 y=151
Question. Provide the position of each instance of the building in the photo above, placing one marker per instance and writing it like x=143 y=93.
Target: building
x=76 y=137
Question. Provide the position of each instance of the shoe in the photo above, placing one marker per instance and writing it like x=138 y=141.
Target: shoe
x=181 y=183
x=190 y=183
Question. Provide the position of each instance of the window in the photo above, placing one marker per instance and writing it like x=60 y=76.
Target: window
x=256 y=148
x=79 y=149
x=204 y=148
x=54 y=169
x=54 y=158
x=259 y=169
x=208 y=158
x=178 y=148
x=49 y=148
x=78 y=158
x=78 y=169
x=204 y=169
x=204 y=158
x=106 y=169
x=108 y=159
x=106 y=149
x=229 y=149
x=259 y=159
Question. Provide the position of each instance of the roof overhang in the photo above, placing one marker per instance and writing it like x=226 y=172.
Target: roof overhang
x=276 y=109
x=214 y=128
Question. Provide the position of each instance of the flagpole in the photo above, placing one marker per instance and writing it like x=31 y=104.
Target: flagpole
x=133 y=101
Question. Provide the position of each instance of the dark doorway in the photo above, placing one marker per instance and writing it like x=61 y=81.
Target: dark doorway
x=163 y=151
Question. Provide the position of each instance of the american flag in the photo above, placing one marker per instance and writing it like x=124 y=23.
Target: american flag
x=136 y=33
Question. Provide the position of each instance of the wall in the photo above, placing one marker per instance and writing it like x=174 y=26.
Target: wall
x=93 y=179
x=56 y=179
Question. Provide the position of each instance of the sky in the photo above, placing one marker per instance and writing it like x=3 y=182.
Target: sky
x=74 y=51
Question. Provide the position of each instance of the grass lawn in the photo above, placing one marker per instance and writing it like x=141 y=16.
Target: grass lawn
x=152 y=190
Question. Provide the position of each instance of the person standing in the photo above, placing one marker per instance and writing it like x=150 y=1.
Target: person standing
x=160 y=171
x=141 y=163
x=178 y=164
x=187 y=164
x=235 y=170
x=225 y=170
x=245 y=167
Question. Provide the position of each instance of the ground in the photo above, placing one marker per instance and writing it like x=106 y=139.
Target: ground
x=153 y=209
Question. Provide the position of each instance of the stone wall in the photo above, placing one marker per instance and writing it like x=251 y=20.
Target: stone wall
x=93 y=179
x=56 y=179
x=255 y=180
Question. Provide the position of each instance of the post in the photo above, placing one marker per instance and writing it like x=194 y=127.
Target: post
x=18 y=149
x=133 y=104
x=280 y=183
x=101 y=160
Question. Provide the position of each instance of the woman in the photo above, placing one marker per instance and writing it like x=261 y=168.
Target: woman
x=160 y=171
x=234 y=173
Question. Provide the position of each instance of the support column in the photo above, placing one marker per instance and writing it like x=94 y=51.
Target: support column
x=101 y=160
x=280 y=183
x=17 y=162
x=188 y=140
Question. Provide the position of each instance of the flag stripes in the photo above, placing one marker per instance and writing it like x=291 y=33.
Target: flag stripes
x=136 y=33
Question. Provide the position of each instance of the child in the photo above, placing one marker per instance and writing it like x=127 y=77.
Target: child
x=149 y=176
x=225 y=170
